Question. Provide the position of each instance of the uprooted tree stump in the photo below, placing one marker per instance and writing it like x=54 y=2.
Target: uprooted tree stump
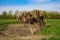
x=29 y=25
x=21 y=30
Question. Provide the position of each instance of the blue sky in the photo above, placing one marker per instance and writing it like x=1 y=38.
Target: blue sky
x=49 y=5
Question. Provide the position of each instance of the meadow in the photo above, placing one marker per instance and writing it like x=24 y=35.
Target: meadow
x=53 y=29
x=7 y=21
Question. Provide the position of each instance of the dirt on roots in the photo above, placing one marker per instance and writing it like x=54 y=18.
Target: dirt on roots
x=21 y=32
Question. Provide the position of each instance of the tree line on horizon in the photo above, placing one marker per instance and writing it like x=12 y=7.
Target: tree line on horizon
x=48 y=15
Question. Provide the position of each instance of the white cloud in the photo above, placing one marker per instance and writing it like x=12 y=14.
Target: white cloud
x=40 y=0
x=48 y=7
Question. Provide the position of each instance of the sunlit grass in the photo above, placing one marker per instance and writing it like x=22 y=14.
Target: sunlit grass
x=54 y=29
x=7 y=21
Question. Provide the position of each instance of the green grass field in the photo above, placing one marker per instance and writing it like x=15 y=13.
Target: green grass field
x=53 y=29
x=7 y=21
